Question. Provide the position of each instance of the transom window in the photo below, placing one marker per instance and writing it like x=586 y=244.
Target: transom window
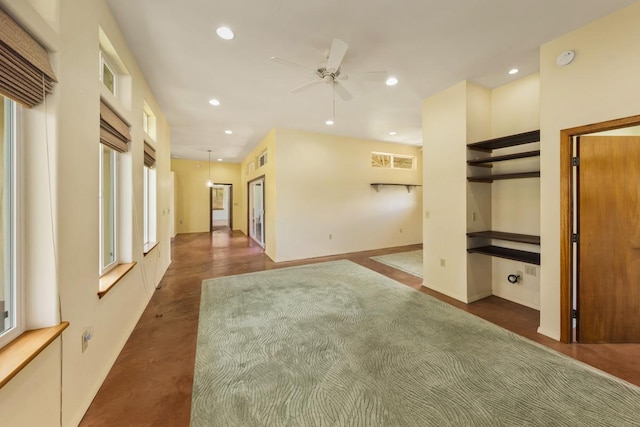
x=108 y=75
x=392 y=161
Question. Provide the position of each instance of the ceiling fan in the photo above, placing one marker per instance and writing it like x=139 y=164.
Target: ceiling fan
x=330 y=72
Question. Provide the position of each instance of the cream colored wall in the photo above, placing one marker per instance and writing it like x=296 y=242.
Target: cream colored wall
x=72 y=115
x=516 y=203
x=601 y=84
x=192 y=194
x=444 y=127
x=268 y=143
x=323 y=188
x=479 y=213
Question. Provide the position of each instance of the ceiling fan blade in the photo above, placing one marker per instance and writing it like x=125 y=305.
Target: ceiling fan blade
x=342 y=91
x=306 y=85
x=336 y=54
x=293 y=65
x=371 y=76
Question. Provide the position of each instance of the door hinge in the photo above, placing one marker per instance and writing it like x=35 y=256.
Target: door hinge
x=574 y=314
x=575 y=161
x=575 y=238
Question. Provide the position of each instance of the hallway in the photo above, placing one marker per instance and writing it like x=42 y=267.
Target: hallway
x=150 y=382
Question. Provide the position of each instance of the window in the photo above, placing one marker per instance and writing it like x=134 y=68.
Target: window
x=145 y=122
x=148 y=121
x=108 y=75
x=149 y=208
x=262 y=159
x=10 y=325
x=108 y=212
x=392 y=161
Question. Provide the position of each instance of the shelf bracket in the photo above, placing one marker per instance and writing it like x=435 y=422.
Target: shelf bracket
x=377 y=187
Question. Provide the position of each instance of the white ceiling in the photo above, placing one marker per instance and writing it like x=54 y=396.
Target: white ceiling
x=428 y=44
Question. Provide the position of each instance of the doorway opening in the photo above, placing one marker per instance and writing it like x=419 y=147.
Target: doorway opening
x=221 y=207
x=256 y=210
x=600 y=236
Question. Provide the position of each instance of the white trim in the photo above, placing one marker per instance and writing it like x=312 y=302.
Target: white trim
x=15 y=226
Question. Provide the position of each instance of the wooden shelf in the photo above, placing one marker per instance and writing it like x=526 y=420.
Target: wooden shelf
x=491 y=178
x=510 y=237
x=378 y=185
x=506 y=141
x=512 y=254
x=484 y=161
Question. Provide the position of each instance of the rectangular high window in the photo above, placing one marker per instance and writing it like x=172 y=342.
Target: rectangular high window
x=392 y=161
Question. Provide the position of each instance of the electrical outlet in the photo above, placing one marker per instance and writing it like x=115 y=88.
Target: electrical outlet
x=87 y=334
x=401 y=230
x=330 y=236
x=427 y=214
x=442 y=262
x=530 y=270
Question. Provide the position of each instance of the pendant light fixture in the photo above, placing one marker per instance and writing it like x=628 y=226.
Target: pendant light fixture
x=209 y=182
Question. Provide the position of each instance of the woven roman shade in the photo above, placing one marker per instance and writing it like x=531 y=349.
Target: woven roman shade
x=114 y=132
x=25 y=71
x=149 y=155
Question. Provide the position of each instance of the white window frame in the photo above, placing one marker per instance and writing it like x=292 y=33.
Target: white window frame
x=12 y=112
x=145 y=122
x=392 y=158
x=104 y=61
x=114 y=186
x=149 y=206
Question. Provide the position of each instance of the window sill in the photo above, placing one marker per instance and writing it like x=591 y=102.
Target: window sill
x=148 y=247
x=19 y=352
x=109 y=279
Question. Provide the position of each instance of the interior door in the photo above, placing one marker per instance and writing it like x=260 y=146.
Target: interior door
x=608 y=285
x=256 y=211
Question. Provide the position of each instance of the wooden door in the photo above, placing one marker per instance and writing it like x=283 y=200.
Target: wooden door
x=608 y=284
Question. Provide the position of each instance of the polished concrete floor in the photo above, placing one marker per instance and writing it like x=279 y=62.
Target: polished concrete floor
x=150 y=382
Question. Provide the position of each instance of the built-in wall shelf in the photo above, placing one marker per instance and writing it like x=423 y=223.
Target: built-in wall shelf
x=491 y=178
x=507 y=253
x=510 y=237
x=488 y=146
x=506 y=141
x=488 y=160
x=379 y=185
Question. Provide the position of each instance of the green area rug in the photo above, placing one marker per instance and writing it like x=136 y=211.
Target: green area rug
x=409 y=262
x=336 y=344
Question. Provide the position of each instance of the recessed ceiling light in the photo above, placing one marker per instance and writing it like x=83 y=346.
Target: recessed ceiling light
x=513 y=71
x=214 y=102
x=228 y=132
x=225 y=33
x=393 y=133
x=391 y=81
x=329 y=122
x=219 y=160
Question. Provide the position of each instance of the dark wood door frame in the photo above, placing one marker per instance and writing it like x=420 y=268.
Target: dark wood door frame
x=211 y=205
x=566 y=213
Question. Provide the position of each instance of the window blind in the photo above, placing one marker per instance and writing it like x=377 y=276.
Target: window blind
x=26 y=75
x=114 y=132
x=149 y=155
